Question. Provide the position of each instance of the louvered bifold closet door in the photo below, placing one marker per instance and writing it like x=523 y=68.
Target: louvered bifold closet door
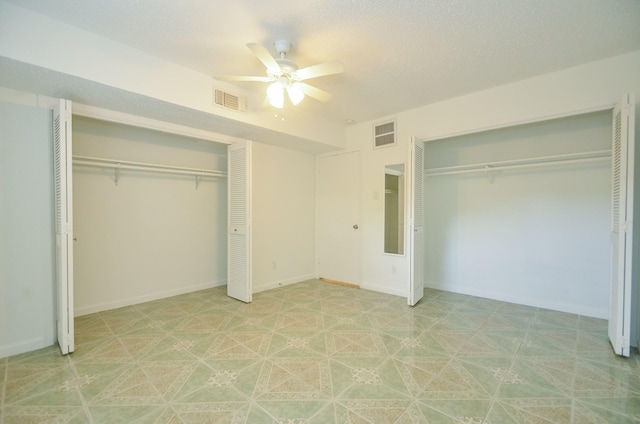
x=64 y=225
x=239 y=284
x=622 y=164
x=416 y=254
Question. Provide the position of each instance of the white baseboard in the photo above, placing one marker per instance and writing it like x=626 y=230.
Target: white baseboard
x=146 y=298
x=521 y=300
x=23 y=346
x=384 y=289
x=281 y=283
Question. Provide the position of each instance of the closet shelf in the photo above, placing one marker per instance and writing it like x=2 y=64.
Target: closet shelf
x=582 y=157
x=117 y=165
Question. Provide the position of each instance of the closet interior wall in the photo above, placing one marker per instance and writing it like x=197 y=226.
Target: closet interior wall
x=153 y=234
x=537 y=236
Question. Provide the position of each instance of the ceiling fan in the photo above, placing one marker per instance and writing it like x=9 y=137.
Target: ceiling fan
x=284 y=75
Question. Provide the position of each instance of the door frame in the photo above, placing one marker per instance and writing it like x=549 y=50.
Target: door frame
x=634 y=327
x=107 y=115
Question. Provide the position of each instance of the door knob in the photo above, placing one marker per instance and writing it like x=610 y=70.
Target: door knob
x=355 y=226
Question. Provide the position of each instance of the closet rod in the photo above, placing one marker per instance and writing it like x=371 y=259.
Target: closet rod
x=140 y=166
x=584 y=157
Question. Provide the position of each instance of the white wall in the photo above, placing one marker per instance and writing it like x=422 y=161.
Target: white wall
x=588 y=86
x=381 y=272
x=27 y=315
x=283 y=205
x=536 y=236
x=152 y=235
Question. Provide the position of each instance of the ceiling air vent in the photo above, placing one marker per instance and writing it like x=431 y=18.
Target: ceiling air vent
x=229 y=101
x=384 y=134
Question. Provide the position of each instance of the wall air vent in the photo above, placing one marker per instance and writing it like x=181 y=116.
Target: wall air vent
x=229 y=101
x=384 y=134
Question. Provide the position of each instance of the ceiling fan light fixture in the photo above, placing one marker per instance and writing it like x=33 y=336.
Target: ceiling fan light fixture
x=295 y=94
x=275 y=93
x=284 y=74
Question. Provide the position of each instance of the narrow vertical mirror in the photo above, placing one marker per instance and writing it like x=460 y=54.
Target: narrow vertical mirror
x=394 y=209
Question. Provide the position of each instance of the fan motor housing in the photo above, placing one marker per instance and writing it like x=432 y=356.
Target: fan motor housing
x=282 y=46
x=287 y=66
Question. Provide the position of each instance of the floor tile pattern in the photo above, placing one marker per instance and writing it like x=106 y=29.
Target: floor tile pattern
x=317 y=353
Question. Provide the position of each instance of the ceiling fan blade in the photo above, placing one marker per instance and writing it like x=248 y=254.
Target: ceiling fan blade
x=320 y=70
x=241 y=78
x=265 y=57
x=314 y=92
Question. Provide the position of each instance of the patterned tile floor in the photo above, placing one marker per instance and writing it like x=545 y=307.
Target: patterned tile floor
x=319 y=353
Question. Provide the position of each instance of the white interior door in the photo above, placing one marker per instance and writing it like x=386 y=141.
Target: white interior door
x=338 y=217
x=622 y=153
x=416 y=228
x=239 y=278
x=63 y=225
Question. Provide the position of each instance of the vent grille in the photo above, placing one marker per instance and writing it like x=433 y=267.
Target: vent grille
x=229 y=101
x=384 y=134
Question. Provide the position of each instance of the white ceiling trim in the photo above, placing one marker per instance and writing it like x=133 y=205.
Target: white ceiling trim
x=577 y=112
x=93 y=112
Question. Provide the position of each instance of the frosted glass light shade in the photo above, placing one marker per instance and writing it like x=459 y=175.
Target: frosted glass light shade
x=275 y=93
x=295 y=94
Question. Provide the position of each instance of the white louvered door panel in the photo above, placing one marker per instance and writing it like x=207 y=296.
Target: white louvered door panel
x=622 y=164
x=64 y=225
x=416 y=255
x=239 y=281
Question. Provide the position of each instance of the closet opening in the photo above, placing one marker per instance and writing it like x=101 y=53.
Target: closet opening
x=523 y=214
x=150 y=214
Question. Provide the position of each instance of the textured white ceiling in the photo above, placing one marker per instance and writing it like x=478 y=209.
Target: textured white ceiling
x=398 y=54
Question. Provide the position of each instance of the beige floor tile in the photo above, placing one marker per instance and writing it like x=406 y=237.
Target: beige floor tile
x=318 y=353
